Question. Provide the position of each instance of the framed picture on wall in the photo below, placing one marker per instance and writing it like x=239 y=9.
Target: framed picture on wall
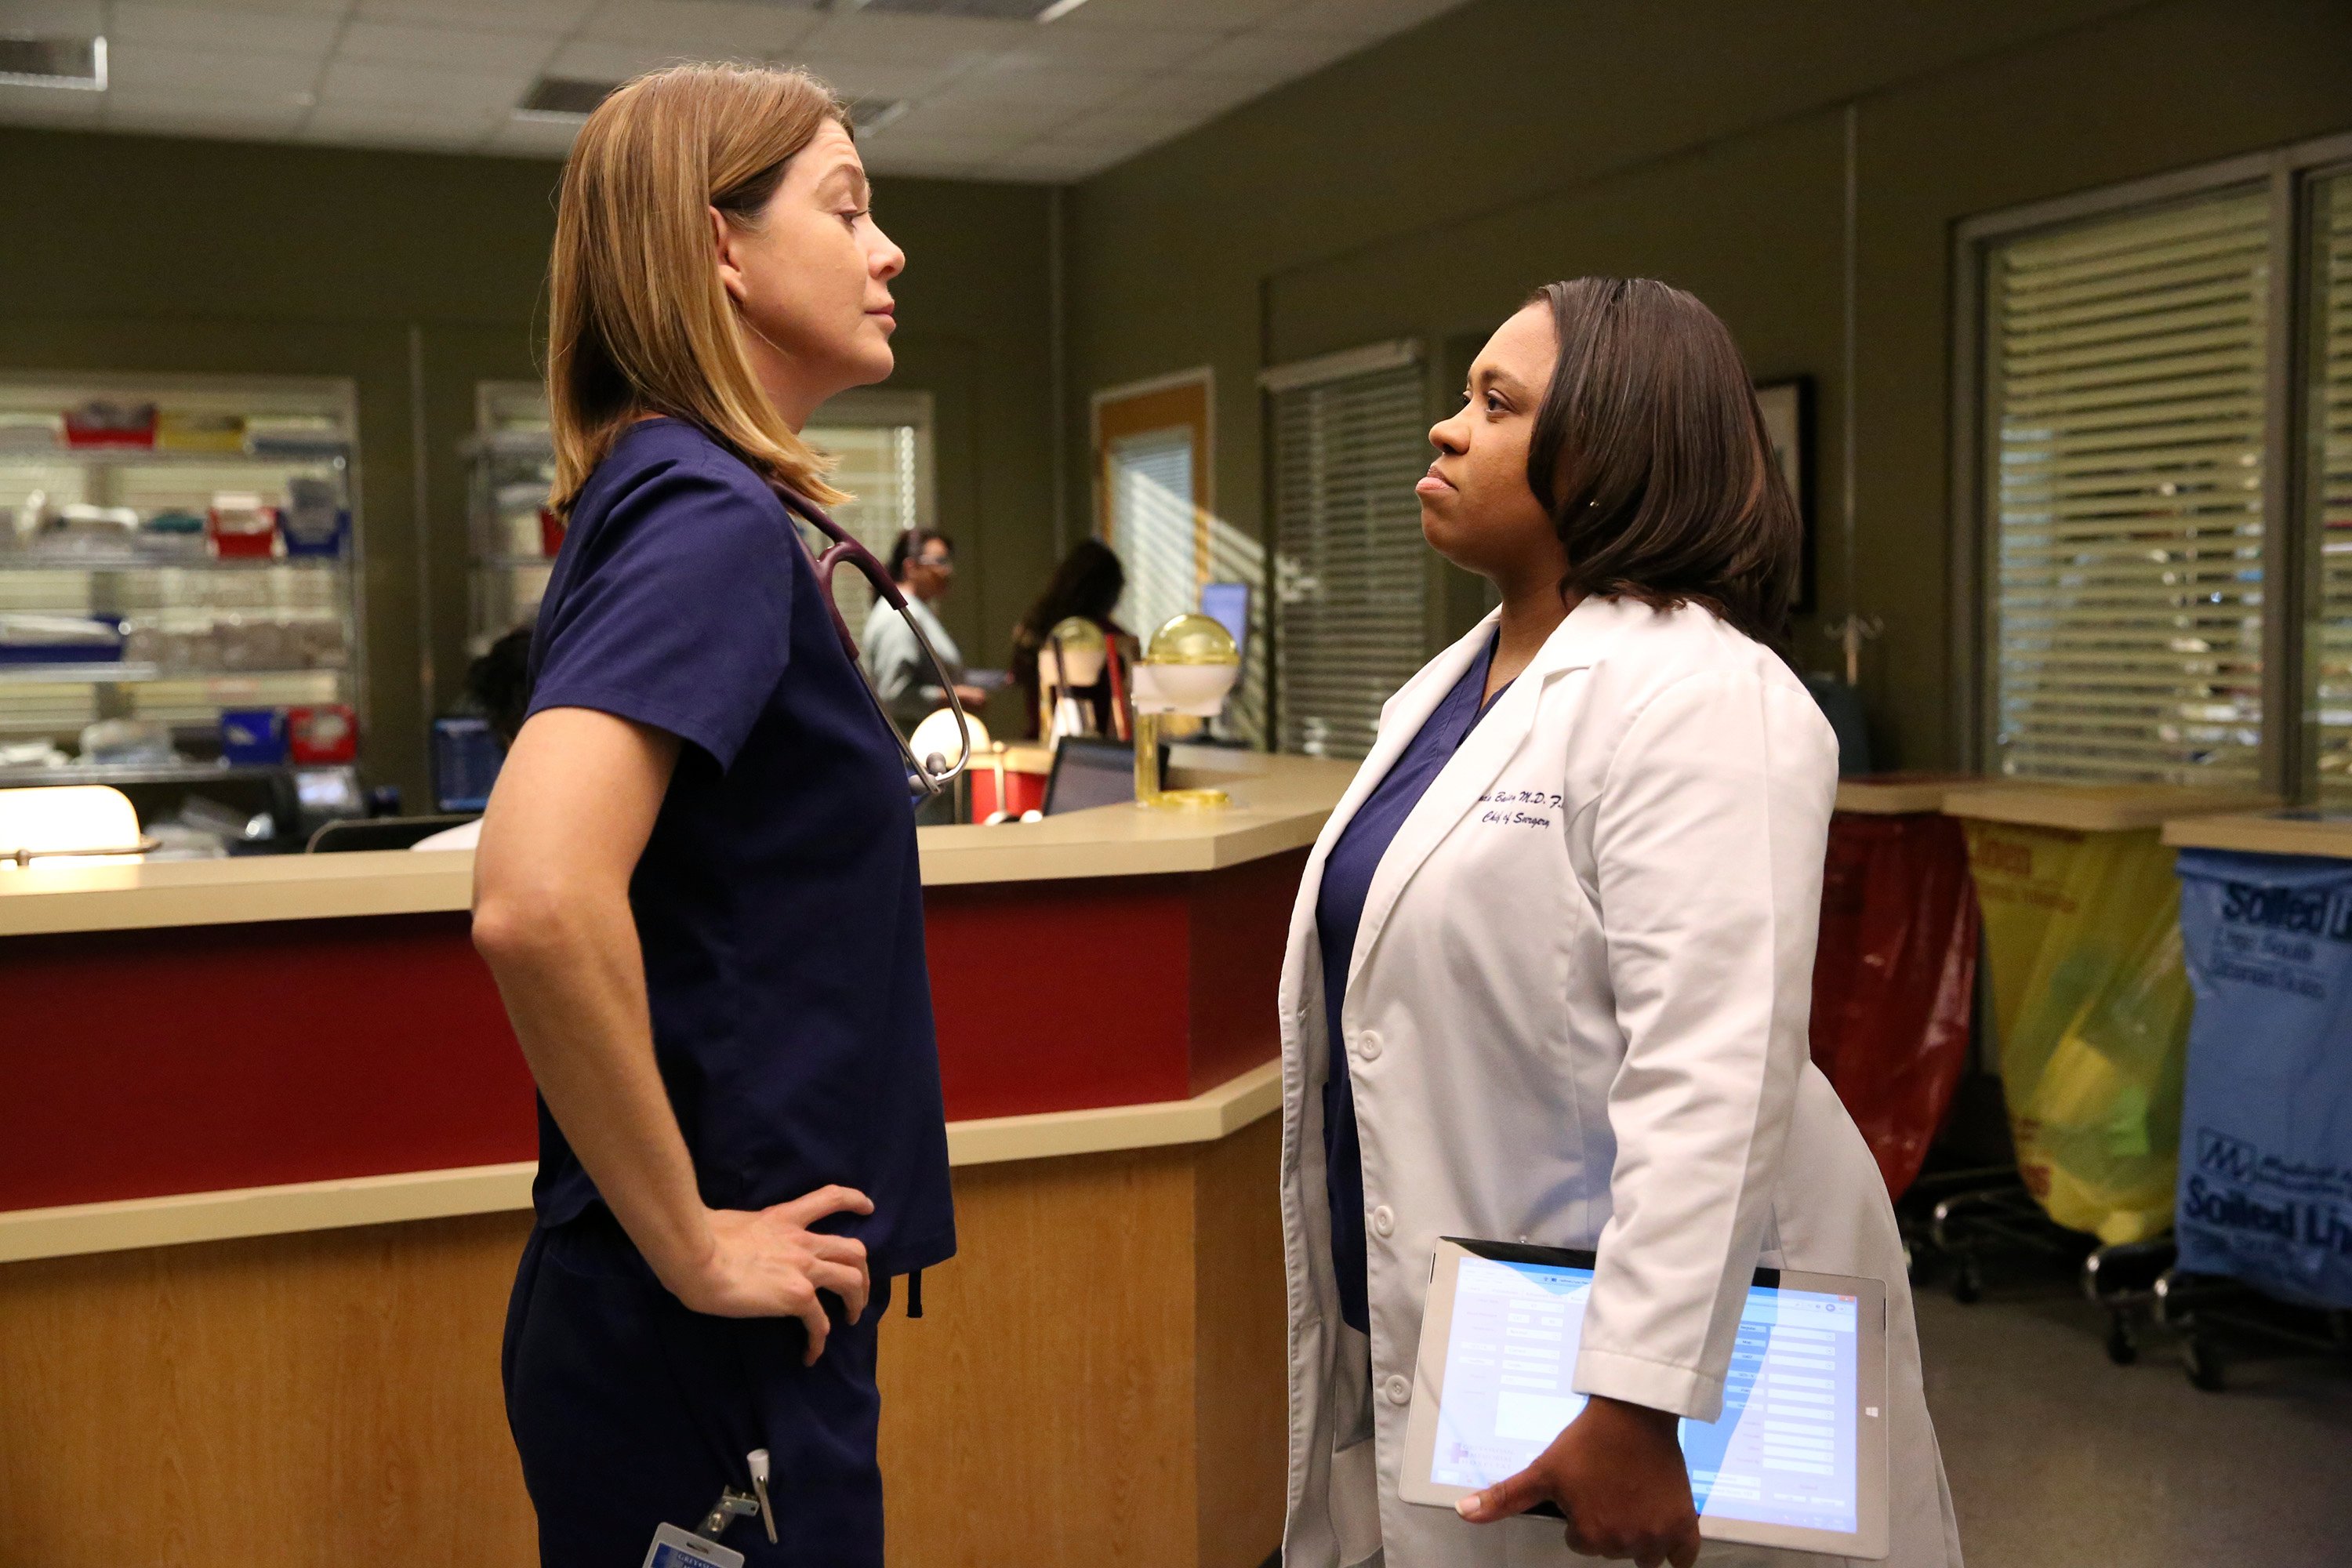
x=1788 y=408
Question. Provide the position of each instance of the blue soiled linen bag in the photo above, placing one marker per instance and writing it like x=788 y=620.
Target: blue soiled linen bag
x=2266 y=1130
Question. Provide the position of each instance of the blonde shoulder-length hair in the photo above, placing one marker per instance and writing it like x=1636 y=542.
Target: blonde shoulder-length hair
x=638 y=322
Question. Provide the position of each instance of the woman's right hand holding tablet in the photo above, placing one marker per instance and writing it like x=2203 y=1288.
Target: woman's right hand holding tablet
x=768 y=1263
x=1618 y=1474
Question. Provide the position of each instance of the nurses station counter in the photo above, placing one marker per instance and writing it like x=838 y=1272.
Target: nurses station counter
x=266 y=1153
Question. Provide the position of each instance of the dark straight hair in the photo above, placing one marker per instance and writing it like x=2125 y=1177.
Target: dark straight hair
x=910 y=540
x=1652 y=457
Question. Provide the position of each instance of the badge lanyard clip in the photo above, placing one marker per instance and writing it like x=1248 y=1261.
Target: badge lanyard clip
x=733 y=1505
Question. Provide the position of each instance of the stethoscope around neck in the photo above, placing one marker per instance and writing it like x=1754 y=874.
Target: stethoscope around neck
x=926 y=777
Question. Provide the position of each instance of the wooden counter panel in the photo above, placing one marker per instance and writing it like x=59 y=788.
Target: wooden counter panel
x=335 y=1394
x=1099 y=1380
x=143 y=1063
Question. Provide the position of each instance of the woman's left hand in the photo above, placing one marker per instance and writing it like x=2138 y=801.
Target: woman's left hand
x=1618 y=1474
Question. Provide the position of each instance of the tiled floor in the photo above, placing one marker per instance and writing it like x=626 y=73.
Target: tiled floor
x=2059 y=1459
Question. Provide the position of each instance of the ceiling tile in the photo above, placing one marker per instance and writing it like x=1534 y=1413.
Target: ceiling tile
x=870 y=78
x=141 y=24
x=1057 y=86
x=1276 y=56
x=51 y=18
x=533 y=138
x=403 y=124
x=48 y=105
x=330 y=8
x=1364 y=18
x=1108 y=14
x=604 y=59
x=916 y=41
x=433 y=49
x=1054 y=161
x=428 y=91
x=941 y=119
x=703 y=27
x=250 y=120
x=138 y=68
x=1127 y=48
x=1120 y=126
x=515 y=15
x=1193 y=97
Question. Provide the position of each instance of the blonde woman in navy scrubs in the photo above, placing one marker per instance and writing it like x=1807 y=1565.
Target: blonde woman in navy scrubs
x=696 y=883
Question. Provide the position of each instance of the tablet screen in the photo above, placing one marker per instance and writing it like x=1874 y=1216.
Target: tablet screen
x=1784 y=1451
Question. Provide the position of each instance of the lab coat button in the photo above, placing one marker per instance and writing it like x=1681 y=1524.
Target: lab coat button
x=1398 y=1391
x=1368 y=1046
x=1384 y=1221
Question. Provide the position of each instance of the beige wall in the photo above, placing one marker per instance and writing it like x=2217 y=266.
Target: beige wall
x=131 y=254
x=1421 y=188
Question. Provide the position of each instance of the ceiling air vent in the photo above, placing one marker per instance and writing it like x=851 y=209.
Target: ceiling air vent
x=563 y=98
x=54 y=62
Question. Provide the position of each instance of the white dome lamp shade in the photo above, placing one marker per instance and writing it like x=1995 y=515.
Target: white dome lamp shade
x=83 y=821
x=936 y=738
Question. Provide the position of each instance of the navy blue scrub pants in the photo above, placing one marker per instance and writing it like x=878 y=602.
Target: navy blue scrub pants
x=630 y=1412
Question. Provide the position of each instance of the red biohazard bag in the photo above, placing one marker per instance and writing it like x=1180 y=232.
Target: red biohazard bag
x=1895 y=978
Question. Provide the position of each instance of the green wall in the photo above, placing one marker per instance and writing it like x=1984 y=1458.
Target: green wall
x=418 y=275
x=1421 y=188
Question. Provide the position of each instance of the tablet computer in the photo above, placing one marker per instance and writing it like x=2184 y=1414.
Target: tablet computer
x=1797 y=1459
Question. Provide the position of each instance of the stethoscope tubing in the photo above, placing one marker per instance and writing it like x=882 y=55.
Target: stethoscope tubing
x=926 y=777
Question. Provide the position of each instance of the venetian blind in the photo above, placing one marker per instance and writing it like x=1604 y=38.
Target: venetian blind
x=1154 y=528
x=877 y=464
x=2127 y=408
x=1351 y=569
x=2330 y=653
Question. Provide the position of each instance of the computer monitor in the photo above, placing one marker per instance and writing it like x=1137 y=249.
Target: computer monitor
x=465 y=762
x=1089 y=772
x=1227 y=604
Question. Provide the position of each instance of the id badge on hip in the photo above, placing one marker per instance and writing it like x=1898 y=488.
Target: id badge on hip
x=675 y=1547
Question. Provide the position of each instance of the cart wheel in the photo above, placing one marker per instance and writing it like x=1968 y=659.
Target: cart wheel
x=1967 y=1285
x=2122 y=1348
x=2203 y=1365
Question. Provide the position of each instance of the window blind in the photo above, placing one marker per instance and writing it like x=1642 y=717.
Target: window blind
x=1351 y=574
x=1154 y=528
x=2127 y=402
x=877 y=465
x=2330 y=652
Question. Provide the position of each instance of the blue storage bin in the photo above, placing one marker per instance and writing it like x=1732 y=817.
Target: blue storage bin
x=253 y=736
x=2266 y=1192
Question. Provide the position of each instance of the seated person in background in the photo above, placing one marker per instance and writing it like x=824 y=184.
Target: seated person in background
x=923 y=565
x=499 y=684
x=1087 y=584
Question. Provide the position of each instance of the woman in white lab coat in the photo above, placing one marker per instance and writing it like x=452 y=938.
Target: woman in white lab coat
x=1550 y=970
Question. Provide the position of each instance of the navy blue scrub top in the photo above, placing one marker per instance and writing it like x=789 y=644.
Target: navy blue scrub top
x=779 y=900
x=1348 y=873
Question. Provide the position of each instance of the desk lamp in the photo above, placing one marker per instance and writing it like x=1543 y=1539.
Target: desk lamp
x=87 y=821
x=1073 y=656
x=1188 y=668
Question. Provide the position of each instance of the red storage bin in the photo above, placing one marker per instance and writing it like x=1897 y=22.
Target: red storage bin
x=329 y=732
x=1894 y=979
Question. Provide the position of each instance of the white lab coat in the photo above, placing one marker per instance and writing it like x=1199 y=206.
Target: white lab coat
x=1578 y=1010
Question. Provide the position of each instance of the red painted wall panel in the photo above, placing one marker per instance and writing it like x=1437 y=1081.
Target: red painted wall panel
x=1241 y=920
x=138 y=1063
x=1060 y=995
